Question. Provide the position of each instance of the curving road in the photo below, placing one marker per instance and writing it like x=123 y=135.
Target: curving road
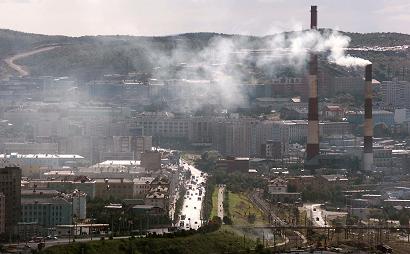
x=10 y=61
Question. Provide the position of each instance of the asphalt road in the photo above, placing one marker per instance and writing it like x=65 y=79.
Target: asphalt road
x=221 y=191
x=195 y=192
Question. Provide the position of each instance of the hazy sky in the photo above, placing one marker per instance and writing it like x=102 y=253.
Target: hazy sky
x=159 y=17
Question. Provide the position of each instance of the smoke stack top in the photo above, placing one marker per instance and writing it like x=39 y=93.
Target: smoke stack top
x=313 y=17
x=368 y=72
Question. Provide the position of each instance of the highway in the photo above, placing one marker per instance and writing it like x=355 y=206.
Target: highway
x=221 y=191
x=190 y=217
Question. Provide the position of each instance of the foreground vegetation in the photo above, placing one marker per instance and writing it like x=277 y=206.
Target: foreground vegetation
x=243 y=212
x=215 y=242
x=214 y=211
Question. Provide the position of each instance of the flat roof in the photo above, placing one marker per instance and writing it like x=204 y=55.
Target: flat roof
x=118 y=163
x=42 y=156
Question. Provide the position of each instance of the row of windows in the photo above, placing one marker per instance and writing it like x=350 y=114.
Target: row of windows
x=39 y=207
x=27 y=213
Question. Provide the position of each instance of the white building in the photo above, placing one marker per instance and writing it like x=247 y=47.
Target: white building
x=79 y=205
x=395 y=94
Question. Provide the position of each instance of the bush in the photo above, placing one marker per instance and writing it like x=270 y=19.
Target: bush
x=227 y=220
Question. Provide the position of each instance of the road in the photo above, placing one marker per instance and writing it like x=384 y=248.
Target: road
x=316 y=215
x=10 y=61
x=195 y=192
x=221 y=191
x=60 y=241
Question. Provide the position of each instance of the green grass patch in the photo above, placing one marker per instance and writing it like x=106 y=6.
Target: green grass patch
x=215 y=242
x=243 y=212
x=214 y=211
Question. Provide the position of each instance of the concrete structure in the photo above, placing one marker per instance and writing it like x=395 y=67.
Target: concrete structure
x=47 y=212
x=115 y=188
x=379 y=117
x=368 y=120
x=2 y=213
x=278 y=191
x=272 y=149
x=10 y=186
x=158 y=197
x=142 y=186
x=233 y=164
x=332 y=112
x=312 y=148
x=82 y=184
x=79 y=200
x=35 y=164
x=132 y=144
x=151 y=160
x=30 y=148
x=277 y=185
x=395 y=94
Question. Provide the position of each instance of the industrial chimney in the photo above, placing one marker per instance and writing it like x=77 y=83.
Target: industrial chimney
x=368 y=120
x=312 y=148
x=313 y=17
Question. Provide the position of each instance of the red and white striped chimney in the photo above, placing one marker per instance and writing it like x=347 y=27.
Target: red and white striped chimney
x=368 y=120
x=312 y=148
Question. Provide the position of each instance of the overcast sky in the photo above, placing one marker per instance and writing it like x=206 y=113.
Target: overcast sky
x=162 y=17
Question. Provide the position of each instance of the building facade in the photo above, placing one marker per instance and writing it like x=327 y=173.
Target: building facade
x=10 y=186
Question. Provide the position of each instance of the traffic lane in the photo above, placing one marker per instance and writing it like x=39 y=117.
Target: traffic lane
x=192 y=208
x=192 y=205
x=220 y=202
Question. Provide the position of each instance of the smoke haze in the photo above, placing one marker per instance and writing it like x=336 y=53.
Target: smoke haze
x=226 y=63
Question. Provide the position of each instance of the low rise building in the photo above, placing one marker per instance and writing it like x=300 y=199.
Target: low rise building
x=114 y=188
x=47 y=212
x=142 y=186
x=233 y=164
x=278 y=191
x=151 y=160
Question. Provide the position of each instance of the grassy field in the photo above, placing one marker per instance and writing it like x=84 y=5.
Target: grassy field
x=214 y=211
x=190 y=157
x=240 y=208
x=216 y=242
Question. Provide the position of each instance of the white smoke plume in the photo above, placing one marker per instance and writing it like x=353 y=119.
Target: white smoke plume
x=336 y=44
x=225 y=62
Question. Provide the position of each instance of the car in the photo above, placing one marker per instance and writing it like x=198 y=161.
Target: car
x=186 y=206
x=194 y=207
x=317 y=218
x=196 y=222
x=314 y=209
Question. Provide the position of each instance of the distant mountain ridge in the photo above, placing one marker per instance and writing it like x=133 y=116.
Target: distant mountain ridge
x=88 y=57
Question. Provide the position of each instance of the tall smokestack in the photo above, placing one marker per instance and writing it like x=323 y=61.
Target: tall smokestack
x=368 y=120
x=313 y=17
x=312 y=148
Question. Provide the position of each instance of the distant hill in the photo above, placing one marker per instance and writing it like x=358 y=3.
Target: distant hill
x=89 y=57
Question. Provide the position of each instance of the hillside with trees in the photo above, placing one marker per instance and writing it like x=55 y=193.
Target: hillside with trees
x=89 y=57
